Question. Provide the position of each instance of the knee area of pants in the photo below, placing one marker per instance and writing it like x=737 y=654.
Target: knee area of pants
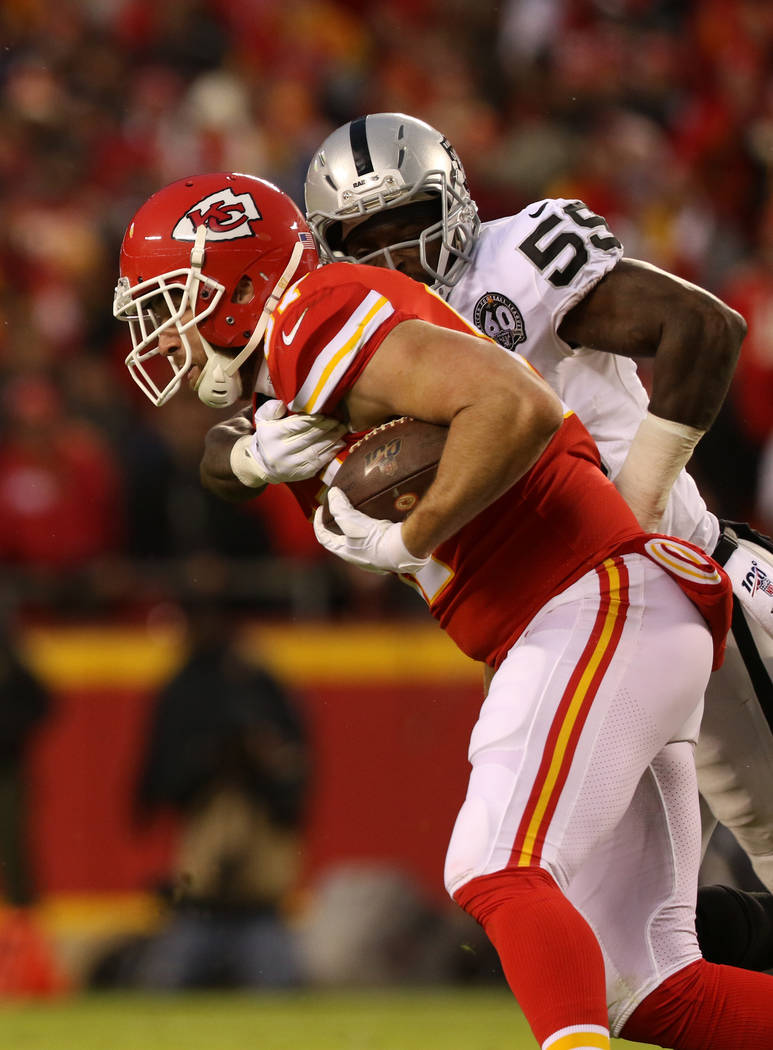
x=470 y=847
x=485 y=896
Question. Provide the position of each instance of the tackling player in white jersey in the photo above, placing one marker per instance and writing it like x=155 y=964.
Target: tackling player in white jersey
x=551 y=282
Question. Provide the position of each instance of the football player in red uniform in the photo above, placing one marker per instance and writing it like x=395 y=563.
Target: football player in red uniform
x=578 y=844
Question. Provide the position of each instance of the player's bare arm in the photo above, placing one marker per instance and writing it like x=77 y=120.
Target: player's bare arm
x=639 y=310
x=215 y=468
x=694 y=338
x=500 y=414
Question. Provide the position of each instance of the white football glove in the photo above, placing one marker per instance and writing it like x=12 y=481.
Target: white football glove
x=372 y=543
x=285 y=448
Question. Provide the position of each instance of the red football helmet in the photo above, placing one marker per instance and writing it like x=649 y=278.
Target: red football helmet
x=214 y=252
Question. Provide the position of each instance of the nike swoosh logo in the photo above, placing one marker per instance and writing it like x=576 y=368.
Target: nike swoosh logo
x=539 y=211
x=288 y=337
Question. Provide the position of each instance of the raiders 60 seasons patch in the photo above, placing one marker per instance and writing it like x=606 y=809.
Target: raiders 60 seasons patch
x=499 y=318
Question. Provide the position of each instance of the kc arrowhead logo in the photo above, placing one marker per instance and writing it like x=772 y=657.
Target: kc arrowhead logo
x=226 y=215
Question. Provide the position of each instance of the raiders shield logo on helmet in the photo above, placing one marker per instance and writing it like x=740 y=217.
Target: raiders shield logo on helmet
x=499 y=318
x=227 y=215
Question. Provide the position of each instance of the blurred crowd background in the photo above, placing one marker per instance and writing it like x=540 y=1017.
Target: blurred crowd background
x=657 y=113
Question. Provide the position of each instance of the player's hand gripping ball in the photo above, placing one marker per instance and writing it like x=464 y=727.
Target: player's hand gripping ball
x=389 y=469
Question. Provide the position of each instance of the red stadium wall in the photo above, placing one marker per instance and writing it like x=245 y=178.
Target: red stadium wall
x=389 y=713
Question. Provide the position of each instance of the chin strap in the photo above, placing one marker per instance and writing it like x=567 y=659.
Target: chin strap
x=215 y=387
x=198 y=251
x=220 y=384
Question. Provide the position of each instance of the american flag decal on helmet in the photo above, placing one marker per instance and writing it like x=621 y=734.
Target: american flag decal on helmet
x=306 y=240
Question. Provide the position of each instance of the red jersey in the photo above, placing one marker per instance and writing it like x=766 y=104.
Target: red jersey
x=562 y=518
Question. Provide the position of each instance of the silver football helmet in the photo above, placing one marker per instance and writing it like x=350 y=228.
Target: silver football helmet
x=384 y=161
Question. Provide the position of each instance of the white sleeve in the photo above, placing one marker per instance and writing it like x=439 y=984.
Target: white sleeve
x=568 y=249
x=529 y=270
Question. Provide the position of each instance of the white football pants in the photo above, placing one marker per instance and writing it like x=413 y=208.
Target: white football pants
x=582 y=763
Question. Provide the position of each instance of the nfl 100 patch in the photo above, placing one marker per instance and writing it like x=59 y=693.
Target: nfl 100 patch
x=499 y=318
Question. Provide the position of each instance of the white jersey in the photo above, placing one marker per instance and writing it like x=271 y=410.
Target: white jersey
x=528 y=271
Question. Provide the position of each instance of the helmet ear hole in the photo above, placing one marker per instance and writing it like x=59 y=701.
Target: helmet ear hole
x=244 y=292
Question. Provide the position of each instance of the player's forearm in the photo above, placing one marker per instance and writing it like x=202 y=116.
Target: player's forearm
x=490 y=446
x=639 y=310
x=696 y=354
x=695 y=361
x=215 y=469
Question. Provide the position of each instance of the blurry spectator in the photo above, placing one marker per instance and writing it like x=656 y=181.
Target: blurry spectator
x=227 y=752
x=60 y=488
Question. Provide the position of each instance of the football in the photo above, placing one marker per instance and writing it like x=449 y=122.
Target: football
x=389 y=469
